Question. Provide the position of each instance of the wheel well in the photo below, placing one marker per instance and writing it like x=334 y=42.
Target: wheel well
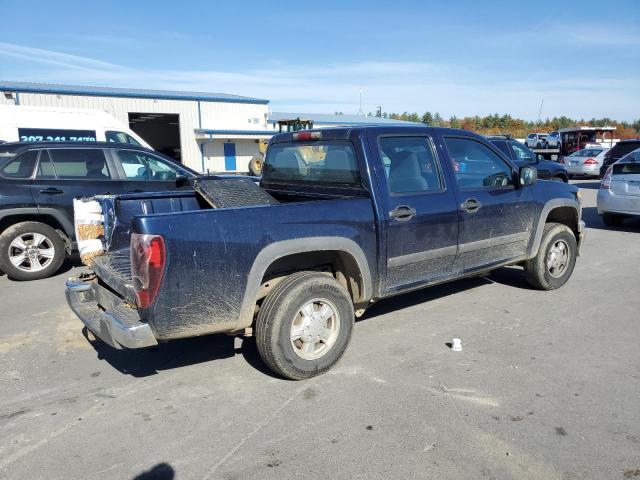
x=338 y=264
x=566 y=215
x=9 y=220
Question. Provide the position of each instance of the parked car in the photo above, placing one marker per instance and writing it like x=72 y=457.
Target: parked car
x=523 y=156
x=586 y=161
x=619 y=193
x=21 y=123
x=536 y=140
x=361 y=214
x=553 y=140
x=618 y=151
x=39 y=181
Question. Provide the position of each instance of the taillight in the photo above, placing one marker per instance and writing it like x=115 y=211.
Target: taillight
x=148 y=258
x=606 y=180
x=590 y=161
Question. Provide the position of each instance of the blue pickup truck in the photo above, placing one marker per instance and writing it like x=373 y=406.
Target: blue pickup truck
x=355 y=215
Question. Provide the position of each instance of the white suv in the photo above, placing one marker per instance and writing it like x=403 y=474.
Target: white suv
x=536 y=140
x=553 y=140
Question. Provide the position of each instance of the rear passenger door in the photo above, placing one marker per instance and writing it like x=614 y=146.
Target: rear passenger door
x=67 y=173
x=421 y=218
x=496 y=218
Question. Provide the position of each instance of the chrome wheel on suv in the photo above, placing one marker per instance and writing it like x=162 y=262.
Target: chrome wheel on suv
x=31 y=250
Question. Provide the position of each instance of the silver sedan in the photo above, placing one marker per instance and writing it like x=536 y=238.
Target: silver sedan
x=619 y=193
x=586 y=161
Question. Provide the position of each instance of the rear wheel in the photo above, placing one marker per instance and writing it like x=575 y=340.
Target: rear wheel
x=611 y=220
x=304 y=325
x=30 y=251
x=556 y=258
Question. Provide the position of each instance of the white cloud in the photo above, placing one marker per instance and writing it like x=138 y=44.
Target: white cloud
x=397 y=86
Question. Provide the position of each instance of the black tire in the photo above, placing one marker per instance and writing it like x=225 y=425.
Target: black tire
x=282 y=307
x=53 y=240
x=537 y=270
x=612 y=220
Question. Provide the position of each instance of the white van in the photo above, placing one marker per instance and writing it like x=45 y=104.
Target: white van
x=21 y=123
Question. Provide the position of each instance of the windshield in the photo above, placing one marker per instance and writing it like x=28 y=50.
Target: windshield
x=324 y=162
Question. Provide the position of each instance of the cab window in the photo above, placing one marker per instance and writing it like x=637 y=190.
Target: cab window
x=476 y=165
x=146 y=167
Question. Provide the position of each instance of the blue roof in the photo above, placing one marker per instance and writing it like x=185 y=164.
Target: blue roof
x=29 y=87
x=331 y=119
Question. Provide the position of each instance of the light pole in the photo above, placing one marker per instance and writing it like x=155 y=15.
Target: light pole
x=360 y=111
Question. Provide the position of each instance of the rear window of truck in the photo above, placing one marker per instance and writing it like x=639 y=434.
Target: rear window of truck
x=323 y=162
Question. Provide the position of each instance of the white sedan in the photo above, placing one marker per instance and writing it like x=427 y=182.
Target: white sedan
x=585 y=162
x=619 y=193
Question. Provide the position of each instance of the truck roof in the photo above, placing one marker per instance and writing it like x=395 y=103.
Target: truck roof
x=343 y=133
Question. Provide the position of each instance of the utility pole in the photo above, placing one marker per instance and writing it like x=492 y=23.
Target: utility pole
x=379 y=112
x=540 y=111
x=360 y=111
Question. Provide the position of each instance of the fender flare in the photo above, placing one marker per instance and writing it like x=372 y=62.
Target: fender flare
x=274 y=251
x=67 y=225
x=542 y=219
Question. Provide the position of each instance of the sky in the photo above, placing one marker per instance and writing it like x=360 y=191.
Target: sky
x=459 y=58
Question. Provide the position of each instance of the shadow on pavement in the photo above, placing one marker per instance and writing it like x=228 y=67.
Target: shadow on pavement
x=177 y=353
x=593 y=220
x=511 y=276
x=162 y=471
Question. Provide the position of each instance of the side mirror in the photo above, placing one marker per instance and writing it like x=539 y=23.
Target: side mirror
x=528 y=176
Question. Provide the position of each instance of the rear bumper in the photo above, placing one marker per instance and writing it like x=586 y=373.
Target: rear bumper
x=609 y=202
x=107 y=315
x=583 y=170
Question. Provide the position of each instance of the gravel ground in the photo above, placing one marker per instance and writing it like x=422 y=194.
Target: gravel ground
x=547 y=386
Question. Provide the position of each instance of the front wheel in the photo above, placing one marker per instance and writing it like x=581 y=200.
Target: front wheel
x=304 y=325
x=556 y=258
x=30 y=251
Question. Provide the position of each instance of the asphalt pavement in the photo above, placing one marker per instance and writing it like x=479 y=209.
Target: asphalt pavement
x=547 y=386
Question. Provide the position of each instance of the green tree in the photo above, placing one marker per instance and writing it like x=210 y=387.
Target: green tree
x=427 y=118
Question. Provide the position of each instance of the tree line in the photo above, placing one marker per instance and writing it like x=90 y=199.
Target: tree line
x=517 y=127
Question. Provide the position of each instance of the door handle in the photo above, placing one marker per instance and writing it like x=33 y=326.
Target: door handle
x=471 y=205
x=402 y=213
x=51 y=191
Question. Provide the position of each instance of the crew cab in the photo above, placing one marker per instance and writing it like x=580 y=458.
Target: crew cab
x=343 y=218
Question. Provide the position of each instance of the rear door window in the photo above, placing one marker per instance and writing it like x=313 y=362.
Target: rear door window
x=21 y=166
x=325 y=162
x=84 y=163
x=410 y=164
x=45 y=167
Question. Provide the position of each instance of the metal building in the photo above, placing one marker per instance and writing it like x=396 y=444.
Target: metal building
x=206 y=131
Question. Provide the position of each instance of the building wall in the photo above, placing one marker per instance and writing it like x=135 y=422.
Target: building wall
x=214 y=154
x=212 y=115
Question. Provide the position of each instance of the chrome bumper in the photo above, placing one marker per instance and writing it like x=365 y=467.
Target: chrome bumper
x=107 y=316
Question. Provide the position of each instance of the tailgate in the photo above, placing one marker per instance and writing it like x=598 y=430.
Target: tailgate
x=113 y=266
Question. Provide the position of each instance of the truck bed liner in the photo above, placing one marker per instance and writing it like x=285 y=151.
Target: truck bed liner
x=231 y=192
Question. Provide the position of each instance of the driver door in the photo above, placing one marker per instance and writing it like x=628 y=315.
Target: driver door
x=495 y=218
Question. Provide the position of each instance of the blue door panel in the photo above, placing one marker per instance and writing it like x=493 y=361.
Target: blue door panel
x=230 y=156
